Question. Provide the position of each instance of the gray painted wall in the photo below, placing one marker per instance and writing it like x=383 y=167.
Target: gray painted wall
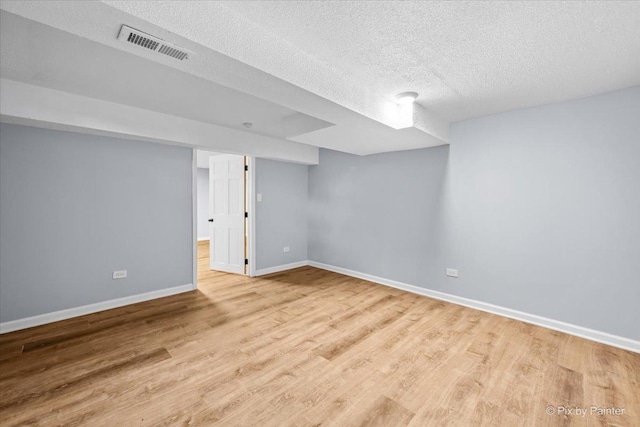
x=203 y=203
x=73 y=208
x=281 y=217
x=377 y=214
x=543 y=211
x=539 y=209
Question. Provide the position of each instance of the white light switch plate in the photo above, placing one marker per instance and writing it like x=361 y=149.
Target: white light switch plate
x=259 y=197
x=452 y=272
x=286 y=249
x=120 y=274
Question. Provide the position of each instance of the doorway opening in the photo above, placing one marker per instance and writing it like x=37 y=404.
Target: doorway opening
x=224 y=223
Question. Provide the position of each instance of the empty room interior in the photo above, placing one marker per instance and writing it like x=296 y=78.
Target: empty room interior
x=305 y=213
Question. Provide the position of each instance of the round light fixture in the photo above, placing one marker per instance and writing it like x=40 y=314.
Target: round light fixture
x=406 y=97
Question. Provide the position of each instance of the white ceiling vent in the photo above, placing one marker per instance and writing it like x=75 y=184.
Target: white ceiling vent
x=137 y=37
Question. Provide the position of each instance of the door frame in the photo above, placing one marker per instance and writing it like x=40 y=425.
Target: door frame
x=250 y=204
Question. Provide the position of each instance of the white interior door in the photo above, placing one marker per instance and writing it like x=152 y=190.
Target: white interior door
x=226 y=210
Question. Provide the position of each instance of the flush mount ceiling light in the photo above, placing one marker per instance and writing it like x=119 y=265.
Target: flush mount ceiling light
x=406 y=97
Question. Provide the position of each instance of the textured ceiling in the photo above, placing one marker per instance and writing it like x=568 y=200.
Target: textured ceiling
x=465 y=59
x=92 y=69
x=99 y=23
x=338 y=62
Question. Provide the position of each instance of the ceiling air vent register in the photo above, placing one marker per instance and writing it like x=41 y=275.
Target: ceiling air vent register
x=147 y=41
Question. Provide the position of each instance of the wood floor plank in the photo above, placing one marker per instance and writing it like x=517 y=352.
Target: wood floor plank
x=307 y=347
x=378 y=412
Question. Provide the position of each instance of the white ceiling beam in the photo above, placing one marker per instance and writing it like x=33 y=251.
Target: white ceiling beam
x=31 y=105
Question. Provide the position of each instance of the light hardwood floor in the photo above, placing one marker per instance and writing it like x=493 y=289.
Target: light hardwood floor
x=305 y=348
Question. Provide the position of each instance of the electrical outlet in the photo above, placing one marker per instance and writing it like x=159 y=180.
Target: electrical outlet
x=120 y=274
x=286 y=249
x=452 y=272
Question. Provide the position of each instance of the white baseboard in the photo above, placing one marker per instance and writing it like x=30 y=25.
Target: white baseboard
x=579 y=331
x=202 y=239
x=41 y=319
x=282 y=267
